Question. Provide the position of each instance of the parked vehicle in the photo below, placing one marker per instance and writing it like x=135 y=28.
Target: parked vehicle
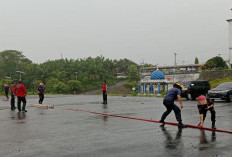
x=222 y=91
x=193 y=89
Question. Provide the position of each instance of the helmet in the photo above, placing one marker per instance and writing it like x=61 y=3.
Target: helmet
x=178 y=85
x=202 y=100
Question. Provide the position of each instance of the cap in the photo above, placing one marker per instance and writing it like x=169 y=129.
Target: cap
x=201 y=100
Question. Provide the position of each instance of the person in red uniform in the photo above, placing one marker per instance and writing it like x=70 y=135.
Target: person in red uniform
x=12 y=101
x=104 y=89
x=21 y=93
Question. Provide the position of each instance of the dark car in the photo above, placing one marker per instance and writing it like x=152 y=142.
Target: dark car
x=193 y=89
x=222 y=91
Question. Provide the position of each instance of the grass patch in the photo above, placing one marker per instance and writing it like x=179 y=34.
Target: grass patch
x=216 y=82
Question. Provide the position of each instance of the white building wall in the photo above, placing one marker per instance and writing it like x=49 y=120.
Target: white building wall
x=183 y=77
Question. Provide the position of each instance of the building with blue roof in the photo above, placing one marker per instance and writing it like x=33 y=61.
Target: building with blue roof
x=154 y=85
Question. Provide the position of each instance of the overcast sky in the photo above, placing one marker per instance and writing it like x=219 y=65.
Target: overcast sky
x=140 y=30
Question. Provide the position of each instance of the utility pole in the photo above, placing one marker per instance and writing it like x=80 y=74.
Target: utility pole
x=175 y=58
x=20 y=72
x=76 y=74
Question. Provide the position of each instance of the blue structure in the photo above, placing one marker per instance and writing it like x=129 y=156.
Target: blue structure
x=157 y=75
x=138 y=88
x=152 y=89
x=158 y=88
x=145 y=88
x=156 y=84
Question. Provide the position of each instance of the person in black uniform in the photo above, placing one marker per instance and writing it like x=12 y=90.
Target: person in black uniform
x=12 y=101
x=204 y=104
x=6 y=89
x=41 y=91
x=170 y=97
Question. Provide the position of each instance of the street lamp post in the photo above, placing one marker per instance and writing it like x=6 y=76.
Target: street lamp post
x=8 y=77
x=20 y=72
x=175 y=58
x=175 y=68
x=76 y=74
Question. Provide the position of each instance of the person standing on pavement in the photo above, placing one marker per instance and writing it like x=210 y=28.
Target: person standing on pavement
x=12 y=101
x=204 y=104
x=104 y=91
x=6 y=89
x=21 y=93
x=172 y=95
x=41 y=91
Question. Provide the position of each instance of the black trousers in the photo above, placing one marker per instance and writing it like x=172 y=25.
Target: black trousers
x=6 y=93
x=21 y=99
x=41 y=98
x=104 y=97
x=213 y=114
x=171 y=106
x=12 y=102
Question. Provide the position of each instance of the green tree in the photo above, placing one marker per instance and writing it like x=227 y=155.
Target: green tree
x=60 y=87
x=74 y=86
x=215 y=63
x=133 y=74
x=61 y=73
x=196 y=60
x=12 y=61
x=51 y=85
x=123 y=65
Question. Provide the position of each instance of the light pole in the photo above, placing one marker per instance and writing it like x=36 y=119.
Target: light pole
x=175 y=58
x=175 y=68
x=76 y=74
x=8 y=77
x=20 y=72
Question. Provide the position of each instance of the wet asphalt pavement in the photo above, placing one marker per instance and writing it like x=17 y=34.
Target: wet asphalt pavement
x=65 y=133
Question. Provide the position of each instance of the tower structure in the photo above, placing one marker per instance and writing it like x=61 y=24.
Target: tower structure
x=230 y=41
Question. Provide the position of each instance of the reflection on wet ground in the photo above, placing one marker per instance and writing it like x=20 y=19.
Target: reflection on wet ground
x=58 y=132
x=170 y=142
x=205 y=143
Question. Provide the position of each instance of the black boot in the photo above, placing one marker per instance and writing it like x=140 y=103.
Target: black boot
x=19 y=108
x=163 y=122
x=24 y=108
x=213 y=125
x=181 y=125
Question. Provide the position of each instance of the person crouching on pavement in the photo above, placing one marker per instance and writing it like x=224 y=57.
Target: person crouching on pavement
x=172 y=95
x=12 y=101
x=204 y=104
x=41 y=91
x=21 y=93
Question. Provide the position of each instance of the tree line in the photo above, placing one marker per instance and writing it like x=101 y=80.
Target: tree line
x=62 y=75
x=69 y=76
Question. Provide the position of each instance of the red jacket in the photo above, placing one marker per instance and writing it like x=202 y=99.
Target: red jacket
x=20 y=90
x=12 y=90
x=104 y=87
